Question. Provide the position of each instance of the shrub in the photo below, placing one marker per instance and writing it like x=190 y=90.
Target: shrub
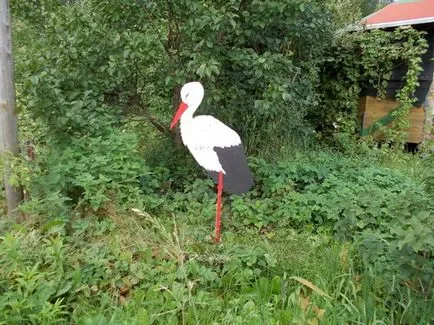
x=90 y=170
x=98 y=62
x=387 y=212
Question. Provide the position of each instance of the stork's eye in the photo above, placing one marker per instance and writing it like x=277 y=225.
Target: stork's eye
x=186 y=96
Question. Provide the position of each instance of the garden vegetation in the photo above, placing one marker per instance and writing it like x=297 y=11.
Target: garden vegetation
x=118 y=217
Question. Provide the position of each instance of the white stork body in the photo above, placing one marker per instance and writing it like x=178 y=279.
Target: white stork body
x=215 y=146
x=201 y=134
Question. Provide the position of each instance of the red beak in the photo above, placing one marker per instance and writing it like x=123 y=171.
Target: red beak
x=182 y=107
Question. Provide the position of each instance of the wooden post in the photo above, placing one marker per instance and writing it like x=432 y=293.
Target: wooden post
x=8 y=118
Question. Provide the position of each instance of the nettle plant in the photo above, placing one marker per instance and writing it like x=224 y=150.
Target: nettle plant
x=364 y=59
x=87 y=171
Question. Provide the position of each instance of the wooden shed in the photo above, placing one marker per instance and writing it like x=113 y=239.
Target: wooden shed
x=375 y=113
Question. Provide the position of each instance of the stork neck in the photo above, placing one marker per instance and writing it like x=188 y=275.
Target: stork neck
x=186 y=125
x=188 y=114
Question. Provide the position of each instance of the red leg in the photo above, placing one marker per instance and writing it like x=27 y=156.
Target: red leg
x=218 y=208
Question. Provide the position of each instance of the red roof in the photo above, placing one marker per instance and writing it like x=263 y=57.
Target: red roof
x=404 y=12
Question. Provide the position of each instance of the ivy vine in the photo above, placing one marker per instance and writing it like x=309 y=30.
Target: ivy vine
x=413 y=46
x=367 y=58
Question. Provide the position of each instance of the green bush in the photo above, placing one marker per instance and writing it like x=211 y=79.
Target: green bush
x=99 y=62
x=389 y=213
x=87 y=170
x=384 y=211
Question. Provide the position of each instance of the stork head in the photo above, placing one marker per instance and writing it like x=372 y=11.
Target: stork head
x=191 y=97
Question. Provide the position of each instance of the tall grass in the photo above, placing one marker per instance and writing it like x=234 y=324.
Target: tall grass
x=134 y=268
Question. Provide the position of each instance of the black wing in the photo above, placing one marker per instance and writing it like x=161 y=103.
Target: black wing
x=238 y=178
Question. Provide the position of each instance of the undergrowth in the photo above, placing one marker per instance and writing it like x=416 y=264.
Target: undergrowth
x=320 y=238
x=132 y=268
x=118 y=229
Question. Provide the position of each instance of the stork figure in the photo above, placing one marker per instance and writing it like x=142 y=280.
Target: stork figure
x=215 y=146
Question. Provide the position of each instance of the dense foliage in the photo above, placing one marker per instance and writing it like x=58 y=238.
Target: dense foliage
x=119 y=217
x=260 y=73
x=115 y=265
x=360 y=60
x=273 y=80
